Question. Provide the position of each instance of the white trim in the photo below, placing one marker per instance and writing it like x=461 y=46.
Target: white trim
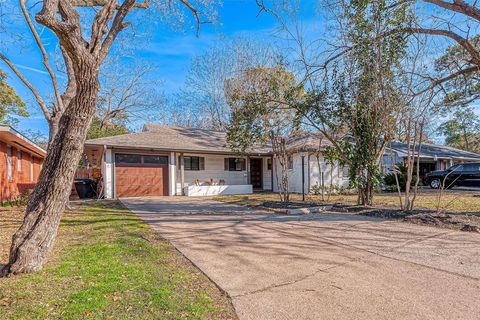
x=172 y=169
x=19 y=160
x=108 y=179
x=9 y=164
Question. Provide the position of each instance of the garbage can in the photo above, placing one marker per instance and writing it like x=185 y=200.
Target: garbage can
x=86 y=188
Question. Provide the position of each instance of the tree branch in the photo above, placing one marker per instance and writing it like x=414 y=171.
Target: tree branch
x=29 y=86
x=100 y=3
x=53 y=77
x=458 y=6
x=195 y=13
x=448 y=78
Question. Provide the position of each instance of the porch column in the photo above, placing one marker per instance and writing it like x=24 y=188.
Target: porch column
x=108 y=176
x=271 y=171
x=182 y=174
x=248 y=170
x=172 y=169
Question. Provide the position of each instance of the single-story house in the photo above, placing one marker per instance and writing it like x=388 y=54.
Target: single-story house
x=432 y=156
x=166 y=160
x=20 y=163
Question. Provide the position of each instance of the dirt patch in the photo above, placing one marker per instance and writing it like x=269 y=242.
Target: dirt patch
x=10 y=220
x=469 y=221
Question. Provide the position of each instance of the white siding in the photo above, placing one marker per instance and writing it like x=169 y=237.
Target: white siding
x=388 y=161
x=294 y=174
x=334 y=173
x=313 y=174
x=214 y=169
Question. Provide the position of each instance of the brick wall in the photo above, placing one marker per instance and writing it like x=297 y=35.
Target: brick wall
x=25 y=170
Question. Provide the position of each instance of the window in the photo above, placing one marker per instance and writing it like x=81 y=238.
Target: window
x=194 y=163
x=9 y=163
x=19 y=160
x=128 y=158
x=290 y=162
x=269 y=164
x=32 y=160
x=455 y=168
x=235 y=164
x=472 y=167
x=345 y=171
x=155 y=159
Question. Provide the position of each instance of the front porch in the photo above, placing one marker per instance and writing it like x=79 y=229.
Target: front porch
x=199 y=174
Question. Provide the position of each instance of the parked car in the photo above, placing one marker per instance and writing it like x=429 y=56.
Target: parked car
x=462 y=174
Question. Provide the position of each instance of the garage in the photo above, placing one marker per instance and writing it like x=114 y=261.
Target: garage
x=138 y=175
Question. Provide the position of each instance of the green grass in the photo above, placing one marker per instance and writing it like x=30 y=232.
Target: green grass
x=110 y=265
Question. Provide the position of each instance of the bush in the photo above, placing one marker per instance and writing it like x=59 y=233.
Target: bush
x=19 y=200
x=390 y=182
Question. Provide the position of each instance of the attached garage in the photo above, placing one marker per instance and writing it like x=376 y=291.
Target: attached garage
x=139 y=175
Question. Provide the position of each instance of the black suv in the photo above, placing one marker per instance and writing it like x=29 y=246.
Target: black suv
x=462 y=174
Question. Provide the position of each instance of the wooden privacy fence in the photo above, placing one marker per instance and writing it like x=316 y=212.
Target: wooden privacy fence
x=88 y=173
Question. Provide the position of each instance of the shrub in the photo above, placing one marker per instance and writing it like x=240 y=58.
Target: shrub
x=390 y=182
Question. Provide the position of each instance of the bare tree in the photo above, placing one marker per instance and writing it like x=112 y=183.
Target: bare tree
x=83 y=49
x=133 y=98
x=204 y=89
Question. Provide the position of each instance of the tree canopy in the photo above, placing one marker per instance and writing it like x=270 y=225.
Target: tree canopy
x=11 y=104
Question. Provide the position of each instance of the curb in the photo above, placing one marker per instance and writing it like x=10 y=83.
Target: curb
x=303 y=211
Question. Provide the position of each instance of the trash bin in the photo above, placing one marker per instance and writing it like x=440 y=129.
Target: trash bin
x=86 y=188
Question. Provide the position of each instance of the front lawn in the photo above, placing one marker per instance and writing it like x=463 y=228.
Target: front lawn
x=452 y=201
x=458 y=209
x=108 y=264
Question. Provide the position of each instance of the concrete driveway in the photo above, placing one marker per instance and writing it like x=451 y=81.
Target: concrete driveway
x=324 y=266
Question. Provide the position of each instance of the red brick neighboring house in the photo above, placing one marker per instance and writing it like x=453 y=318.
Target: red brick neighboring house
x=20 y=163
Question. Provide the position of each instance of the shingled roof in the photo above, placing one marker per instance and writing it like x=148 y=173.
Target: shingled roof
x=170 y=138
x=435 y=151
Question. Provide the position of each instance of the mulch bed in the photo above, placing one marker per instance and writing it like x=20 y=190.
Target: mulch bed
x=469 y=222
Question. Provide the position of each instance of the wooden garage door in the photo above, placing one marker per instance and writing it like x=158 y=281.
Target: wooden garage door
x=141 y=175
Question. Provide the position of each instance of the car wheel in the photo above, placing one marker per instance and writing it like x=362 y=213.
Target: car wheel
x=435 y=183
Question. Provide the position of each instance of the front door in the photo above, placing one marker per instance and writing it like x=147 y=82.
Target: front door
x=256 y=173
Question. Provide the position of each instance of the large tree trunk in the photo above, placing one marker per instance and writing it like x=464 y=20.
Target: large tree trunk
x=33 y=242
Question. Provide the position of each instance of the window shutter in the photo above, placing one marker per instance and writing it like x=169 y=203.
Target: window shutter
x=202 y=163
x=244 y=164
x=226 y=164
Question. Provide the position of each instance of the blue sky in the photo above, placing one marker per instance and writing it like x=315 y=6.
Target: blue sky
x=168 y=49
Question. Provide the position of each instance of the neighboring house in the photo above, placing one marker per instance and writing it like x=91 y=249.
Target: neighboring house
x=432 y=157
x=20 y=163
x=166 y=160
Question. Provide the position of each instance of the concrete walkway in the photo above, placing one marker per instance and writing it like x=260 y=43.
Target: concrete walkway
x=323 y=266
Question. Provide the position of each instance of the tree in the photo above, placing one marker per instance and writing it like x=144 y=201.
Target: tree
x=261 y=100
x=454 y=21
x=130 y=100
x=99 y=130
x=462 y=130
x=203 y=94
x=356 y=106
x=83 y=49
x=10 y=103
